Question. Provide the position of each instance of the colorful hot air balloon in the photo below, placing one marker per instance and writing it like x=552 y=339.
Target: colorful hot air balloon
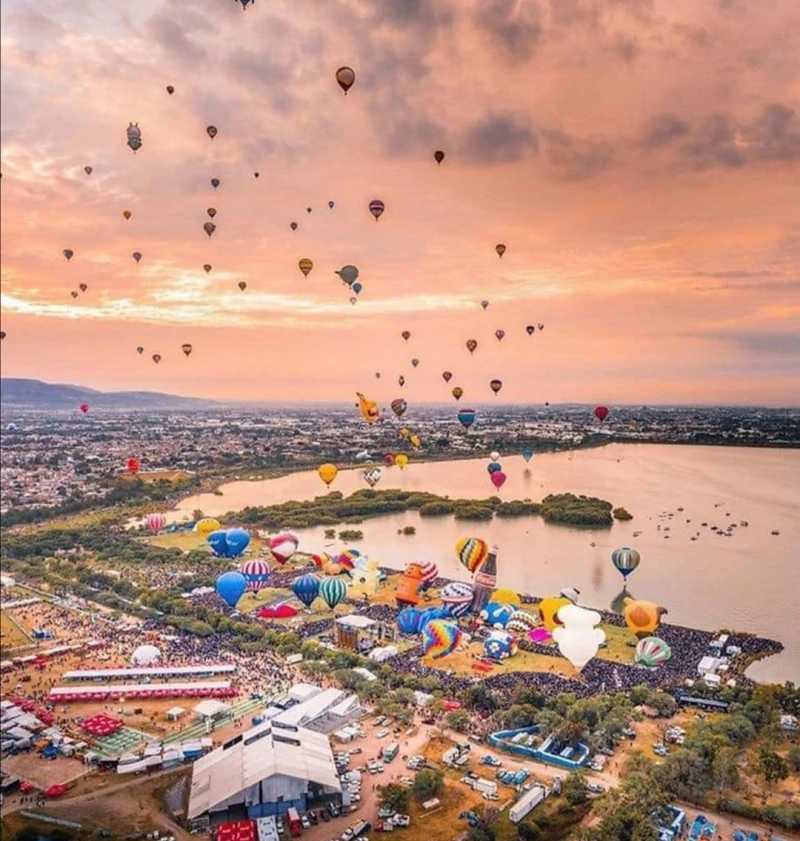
x=133 y=465
x=256 y=573
x=500 y=249
x=472 y=552
x=500 y=645
x=457 y=392
x=438 y=156
x=376 y=208
x=439 y=638
x=156 y=522
x=522 y=622
x=496 y=385
x=306 y=588
x=211 y=131
x=652 y=652
x=332 y=590
x=457 y=597
x=430 y=572
x=466 y=417
x=447 y=376
x=498 y=479
x=305 y=266
x=401 y=460
x=496 y=614
x=186 y=348
x=345 y=77
x=601 y=412
x=471 y=345
x=231 y=587
x=625 y=560
x=134 y=134
x=84 y=407
x=283 y=546
x=499 y=334
x=399 y=406
x=327 y=472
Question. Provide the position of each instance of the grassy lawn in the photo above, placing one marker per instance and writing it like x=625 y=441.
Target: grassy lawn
x=442 y=822
x=13 y=634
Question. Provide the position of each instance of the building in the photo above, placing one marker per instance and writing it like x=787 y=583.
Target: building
x=324 y=712
x=671 y=823
x=263 y=772
x=707 y=666
x=356 y=632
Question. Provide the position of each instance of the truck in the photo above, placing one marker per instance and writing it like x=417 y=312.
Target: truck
x=293 y=819
x=480 y=785
x=526 y=803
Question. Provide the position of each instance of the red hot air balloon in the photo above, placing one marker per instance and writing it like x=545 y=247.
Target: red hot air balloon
x=133 y=465
x=498 y=479
x=170 y=90
x=84 y=407
x=156 y=358
x=389 y=459
x=496 y=385
x=447 y=376
x=376 y=208
x=601 y=413
x=406 y=335
x=211 y=131
x=471 y=345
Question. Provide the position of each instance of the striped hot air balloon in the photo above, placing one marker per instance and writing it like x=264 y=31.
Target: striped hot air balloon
x=522 y=622
x=439 y=638
x=332 y=590
x=256 y=573
x=652 y=652
x=156 y=522
x=457 y=597
x=408 y=621
x=430 y=572
x=306 y=588
x=472 y=552
x=625 y=560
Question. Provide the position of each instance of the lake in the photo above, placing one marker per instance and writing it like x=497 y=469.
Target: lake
x=749 y=581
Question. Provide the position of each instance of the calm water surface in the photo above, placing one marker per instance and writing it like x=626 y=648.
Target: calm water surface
x=749 y=581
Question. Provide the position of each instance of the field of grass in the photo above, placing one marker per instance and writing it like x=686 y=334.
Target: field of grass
x=13 y=635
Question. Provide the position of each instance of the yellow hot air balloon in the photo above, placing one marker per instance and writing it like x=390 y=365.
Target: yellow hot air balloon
x=548 y=608
x=369 y=408
x=305 y=266
x=457 y=392
x=327 y=472
x=505 y=595
x=643 y=618
x=404 y=432
x=415 y=442
x=127 y=214
x=401 y=460
x=206 y=525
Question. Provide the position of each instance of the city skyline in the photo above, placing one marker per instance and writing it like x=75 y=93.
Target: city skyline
x=638 y=159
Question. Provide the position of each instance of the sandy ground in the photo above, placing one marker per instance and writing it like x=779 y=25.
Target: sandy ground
x=44 y=773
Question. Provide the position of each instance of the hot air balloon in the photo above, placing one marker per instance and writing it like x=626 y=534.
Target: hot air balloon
x=186 y=348
x=209 y=228
x=642 y=617
x=540 y=326
x=305 y=266
x=156 y=358
x=346 y=78
x=401 y=460
x=68 y=252
x=133 y=465
x=170 y=90
x=145 y=655
x=625 y=560
x=377 y=375
x=530 y=329
x=376 y=208
x=88 y=170
x=471 y=345
x=466 y=417
x=309 y=209
x=140 y=350
x=399 y=406
x=156 y=522
x=2 y=334
x=83 y=287
x=438 y=156
x=327 y=472
x=457 y=597
x=652 y=652
x=415 y=441
x=293 y=225
x=500 y=645
x=527 y=454
x=522 y=622
x=207 y=267
x=215 y=183
x=439 y=638
x=401 y=380
x=348 y=274
x=447 y=376
x=134 y=134
x=472 y=552
x=494 y=467
x=414 y=363
x=404 y=432
x=499 y=334
x=369 y=408
x=237 y=541
x=330 y=205
x=484 y=304
x=372 y=476
x=353 y=300
x=84 y=407
x=548 y=610
x=256 y=574
x=388 y=459
x=496 y=614
x=74 y=294
x=332 y=590
x=242 y=285
x=211 y=211
x=206 y=525
x=457 y=392
x=211 y=131
x=500 y=249
x=406 y=335
x=356 y=287
x=137 y=256
x=408 y=621
x=231 y=587
x=601 y=413
x=430 y=572
x=496 y=385
x=256 y=175
x=498 y=479
x=127 y=214
x=577 y=636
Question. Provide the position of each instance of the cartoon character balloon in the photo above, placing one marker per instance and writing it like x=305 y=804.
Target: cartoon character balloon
x=205 y=525
x=499 y=645
x=369 y=408
x=577 y=636
x=548 y=609
x=642 y=617
x=401 y=460
x=408 y=586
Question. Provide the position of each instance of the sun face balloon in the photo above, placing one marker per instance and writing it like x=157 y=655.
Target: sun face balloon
x=642 y=617
x=577 y=636
x=401 y=460
x=472 y=552
x=206 y=525
x=327 y=472
x=368 y=408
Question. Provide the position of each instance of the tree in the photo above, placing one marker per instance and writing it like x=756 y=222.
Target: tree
x=529 y=832
x=458 y=720
x=429 y=783
x=197 y=514
x=575 y=788
x=27 y=833
x=394 y=797
x=794 y=758
x=773 y=765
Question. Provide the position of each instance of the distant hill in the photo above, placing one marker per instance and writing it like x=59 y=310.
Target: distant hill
x=34 y=394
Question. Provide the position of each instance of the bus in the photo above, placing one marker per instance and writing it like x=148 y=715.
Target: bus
x=390 y=752
x=293 y=819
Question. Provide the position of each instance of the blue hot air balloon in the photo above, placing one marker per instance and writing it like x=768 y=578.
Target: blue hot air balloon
x=432 y=613
x=306 y=588
x=356 y=287
x=494 y=467
x=408 y=620
x=332 y=590
x=527 y=454
x=231 y=587
x=238 y=540
x=466 y=417
x=218 y=543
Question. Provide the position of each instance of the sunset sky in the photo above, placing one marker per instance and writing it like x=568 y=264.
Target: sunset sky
x=640 y=160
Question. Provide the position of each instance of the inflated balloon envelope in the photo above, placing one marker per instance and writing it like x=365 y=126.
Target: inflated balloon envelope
x=577 y=636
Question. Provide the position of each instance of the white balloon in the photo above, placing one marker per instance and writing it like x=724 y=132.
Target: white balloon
x=578 y=639
x=494 y=456
x=145 y=655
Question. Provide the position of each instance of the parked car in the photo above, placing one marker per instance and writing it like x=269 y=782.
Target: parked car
x=401 y=820
x=355 y=751
x=305 y=821
x=382 y=733
x=594 y=788
x=325 y=815
x=312 y=816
